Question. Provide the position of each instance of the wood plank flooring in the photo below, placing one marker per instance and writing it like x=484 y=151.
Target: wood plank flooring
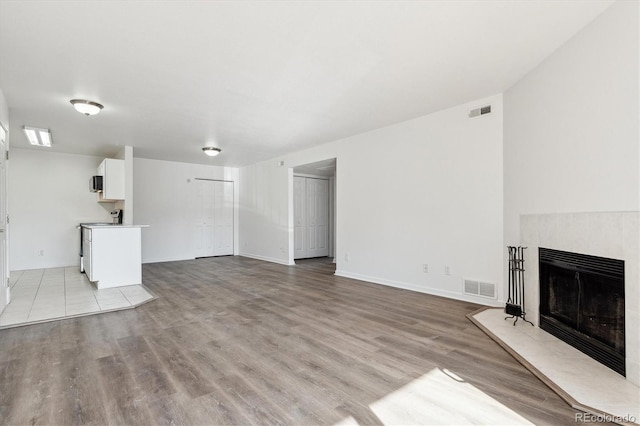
x=233 y=340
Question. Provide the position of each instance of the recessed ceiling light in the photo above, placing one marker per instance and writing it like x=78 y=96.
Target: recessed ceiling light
x=38 y=137
x=86 y=107
x=211 y=151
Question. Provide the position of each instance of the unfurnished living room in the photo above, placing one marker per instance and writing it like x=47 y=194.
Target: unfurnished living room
x=319 y=212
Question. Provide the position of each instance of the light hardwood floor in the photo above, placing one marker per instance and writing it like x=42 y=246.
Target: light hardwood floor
x=233 y=340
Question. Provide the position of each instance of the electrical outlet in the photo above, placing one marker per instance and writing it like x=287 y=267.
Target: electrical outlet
x=346 y=257
x=425 y=268
x=447 y=270
x=41 y=253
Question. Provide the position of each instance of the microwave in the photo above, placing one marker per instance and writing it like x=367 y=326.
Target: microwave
x=95 y=184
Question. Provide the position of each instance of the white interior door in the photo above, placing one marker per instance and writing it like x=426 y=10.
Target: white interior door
x=223 y=218
x=5 y=296
x=299 y=217
x=311 y=217
x=204 y=218
x=317 y=217
x=213 y=218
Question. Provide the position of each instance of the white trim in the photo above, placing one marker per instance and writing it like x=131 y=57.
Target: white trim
x=214 y=180
x=267 y=259
x=420 y=289
x=311 y=176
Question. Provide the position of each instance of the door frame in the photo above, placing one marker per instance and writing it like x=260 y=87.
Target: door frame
x=333 y=209
x=330 y=194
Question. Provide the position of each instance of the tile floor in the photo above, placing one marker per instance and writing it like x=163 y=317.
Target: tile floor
x=47 y=294
x=586 y=380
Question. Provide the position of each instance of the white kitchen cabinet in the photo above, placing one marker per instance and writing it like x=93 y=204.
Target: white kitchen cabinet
x=86 y=252
x=112 y=172
x=113 y=255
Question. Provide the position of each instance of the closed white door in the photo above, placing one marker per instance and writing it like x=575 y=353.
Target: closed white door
x=213 y=218
x=223 y=218
x=5 y=296
x=204 y=218
x=317 y=217
x=311 y=217
x=299 y=217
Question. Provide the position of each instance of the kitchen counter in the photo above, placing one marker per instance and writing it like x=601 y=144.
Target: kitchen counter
x=113 y=254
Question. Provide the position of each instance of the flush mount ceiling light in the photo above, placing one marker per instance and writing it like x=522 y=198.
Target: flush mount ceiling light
x=38 y=137
x=86 y=107
x=211 y=151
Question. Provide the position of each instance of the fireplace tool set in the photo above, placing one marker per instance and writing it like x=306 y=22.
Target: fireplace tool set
x=515 y=301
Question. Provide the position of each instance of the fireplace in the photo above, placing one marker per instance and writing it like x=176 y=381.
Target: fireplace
x=582 y=303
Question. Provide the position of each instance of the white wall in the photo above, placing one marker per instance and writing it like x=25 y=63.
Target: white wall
x=571 y=126
x=4 y=110
x=572 y=152
x=126 y=205
x=428 y=190
x=49 y=196
x=163 y=193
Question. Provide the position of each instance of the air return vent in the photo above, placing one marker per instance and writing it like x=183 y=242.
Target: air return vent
x=478 y=288
x=476 y=112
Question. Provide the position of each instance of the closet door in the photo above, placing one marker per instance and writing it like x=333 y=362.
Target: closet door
x=311 y=217
x=317 y=209
x=299 y=217
x=223 y=218
x=213 y=218
x=5 y=296
x=204 y=218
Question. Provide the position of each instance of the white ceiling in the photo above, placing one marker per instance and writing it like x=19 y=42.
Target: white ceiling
x=260 y=78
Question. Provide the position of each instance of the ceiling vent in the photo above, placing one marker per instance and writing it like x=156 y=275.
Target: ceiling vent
x=477 y=112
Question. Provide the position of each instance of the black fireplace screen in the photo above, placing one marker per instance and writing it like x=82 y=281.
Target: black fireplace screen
x=582 y=303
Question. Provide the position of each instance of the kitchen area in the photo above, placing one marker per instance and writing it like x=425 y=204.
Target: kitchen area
x=111 y=253
x=107 y=274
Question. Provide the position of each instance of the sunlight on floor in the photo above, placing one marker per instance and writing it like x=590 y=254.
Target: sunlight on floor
x=441 y=398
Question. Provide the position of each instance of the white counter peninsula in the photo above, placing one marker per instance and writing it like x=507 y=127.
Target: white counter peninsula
x=113 y=254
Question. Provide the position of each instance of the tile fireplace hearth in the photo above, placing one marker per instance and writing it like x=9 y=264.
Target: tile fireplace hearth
x=584 y=383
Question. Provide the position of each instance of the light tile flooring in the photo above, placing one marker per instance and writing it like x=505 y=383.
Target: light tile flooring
x=56 y=293
x=584 y=379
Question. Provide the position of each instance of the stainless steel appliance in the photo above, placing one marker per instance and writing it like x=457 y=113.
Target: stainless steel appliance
x=96 y=184
x=117 y=216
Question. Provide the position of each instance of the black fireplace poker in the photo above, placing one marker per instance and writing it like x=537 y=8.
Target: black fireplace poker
x=515 y=300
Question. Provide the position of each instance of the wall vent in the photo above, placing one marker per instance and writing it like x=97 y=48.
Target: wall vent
x=478 y=288
x=476 y=112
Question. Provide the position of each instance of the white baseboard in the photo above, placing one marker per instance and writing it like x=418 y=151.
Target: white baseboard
x=166 y=259
x=267 y=259
x=427 y=290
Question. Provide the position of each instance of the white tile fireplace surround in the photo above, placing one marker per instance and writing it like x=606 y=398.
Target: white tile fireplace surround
x=613 y=235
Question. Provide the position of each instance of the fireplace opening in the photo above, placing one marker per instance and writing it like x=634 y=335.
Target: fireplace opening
x=582 y=303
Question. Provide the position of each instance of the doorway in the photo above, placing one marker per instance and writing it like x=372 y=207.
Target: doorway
x=213 y=218
x=314 y=209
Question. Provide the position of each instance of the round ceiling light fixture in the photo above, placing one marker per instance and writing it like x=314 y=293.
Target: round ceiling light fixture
x=211 y=151
x=86 y=107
